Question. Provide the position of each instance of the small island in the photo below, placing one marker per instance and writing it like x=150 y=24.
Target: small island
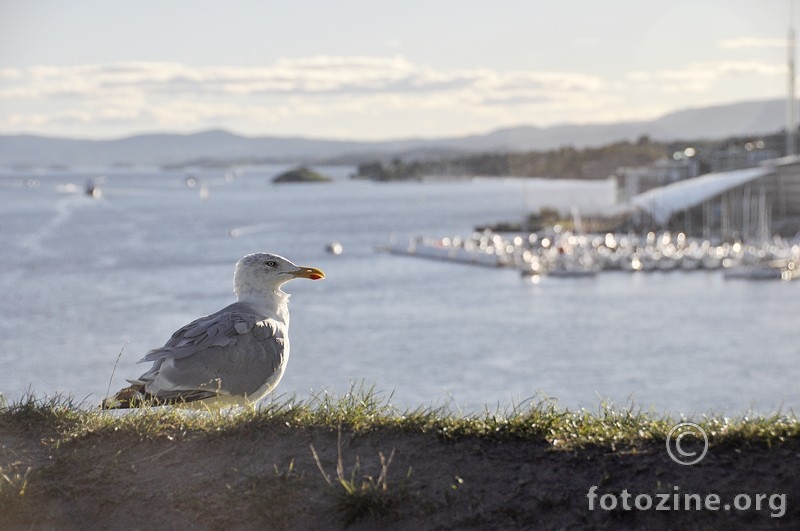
x=302 y=174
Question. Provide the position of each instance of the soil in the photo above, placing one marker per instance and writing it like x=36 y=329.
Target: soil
x=267 y=478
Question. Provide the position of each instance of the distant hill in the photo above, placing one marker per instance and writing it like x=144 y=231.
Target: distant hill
x=748 y=118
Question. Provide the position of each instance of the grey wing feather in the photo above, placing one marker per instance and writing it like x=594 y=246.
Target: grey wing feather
x=216 y=330
x=236 y=369
x=234 y=351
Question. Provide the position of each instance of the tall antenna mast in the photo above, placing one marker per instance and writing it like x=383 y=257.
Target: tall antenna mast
x=791 y=124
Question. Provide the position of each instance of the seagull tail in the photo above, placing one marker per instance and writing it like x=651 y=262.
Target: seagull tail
x=135 y=396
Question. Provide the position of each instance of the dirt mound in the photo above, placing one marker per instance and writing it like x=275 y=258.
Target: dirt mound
x=268 y=478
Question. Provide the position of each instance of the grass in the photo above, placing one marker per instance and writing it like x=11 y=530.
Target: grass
x=363 y=410
x=13 y=489
x=82 y=451
x=13 y=484
x=359 y=494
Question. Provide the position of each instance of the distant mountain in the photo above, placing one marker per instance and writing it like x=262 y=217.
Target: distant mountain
x=748 y=118
x=165 y=149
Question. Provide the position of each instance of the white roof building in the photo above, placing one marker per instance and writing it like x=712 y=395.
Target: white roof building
x=748 y=204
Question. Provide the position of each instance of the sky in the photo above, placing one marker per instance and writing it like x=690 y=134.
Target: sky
x=377 y=70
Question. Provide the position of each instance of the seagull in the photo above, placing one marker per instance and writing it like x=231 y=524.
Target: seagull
x=235 y=356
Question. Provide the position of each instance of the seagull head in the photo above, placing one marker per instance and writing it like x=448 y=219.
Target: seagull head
x=264 y=271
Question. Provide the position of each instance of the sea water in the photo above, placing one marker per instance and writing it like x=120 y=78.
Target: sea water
x=86 y=281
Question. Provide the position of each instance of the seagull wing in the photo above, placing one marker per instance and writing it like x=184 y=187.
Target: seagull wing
x=235 y=352
x=216 y=330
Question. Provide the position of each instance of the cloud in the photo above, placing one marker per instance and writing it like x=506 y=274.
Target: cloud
x=309 y=92
x=168 y=94
x=751 y=42
x=701 y=76
x=310 y=75
x=10 y=73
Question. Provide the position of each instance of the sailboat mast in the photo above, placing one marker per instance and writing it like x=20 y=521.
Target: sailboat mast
x=791 y=125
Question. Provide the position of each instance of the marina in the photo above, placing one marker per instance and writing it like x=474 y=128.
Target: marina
x=566 y=254
x=743 y=222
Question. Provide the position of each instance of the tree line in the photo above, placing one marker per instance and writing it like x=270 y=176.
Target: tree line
x=565 y=162
x=562 y=163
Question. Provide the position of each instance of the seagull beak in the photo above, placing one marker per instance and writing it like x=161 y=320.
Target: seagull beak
x=309 y=272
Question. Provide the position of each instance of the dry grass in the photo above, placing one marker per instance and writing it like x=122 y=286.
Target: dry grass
x=359 y=495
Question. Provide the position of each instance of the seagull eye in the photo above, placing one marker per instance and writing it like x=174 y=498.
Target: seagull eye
x=272 y=263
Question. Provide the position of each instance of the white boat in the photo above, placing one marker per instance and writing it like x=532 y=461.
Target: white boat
x=571 y=273
x=758 y=272
x=571 y=266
